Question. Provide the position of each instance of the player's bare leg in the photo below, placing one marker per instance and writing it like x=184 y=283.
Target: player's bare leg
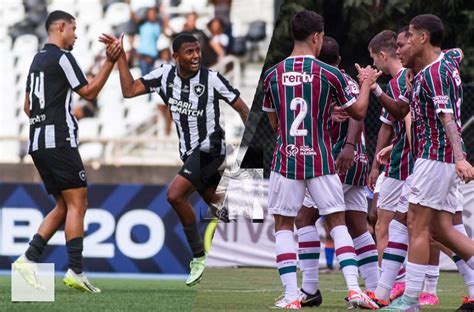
x=179 y=191
x=309 y=249
x=384 y=217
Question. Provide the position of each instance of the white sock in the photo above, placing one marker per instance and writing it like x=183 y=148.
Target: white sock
x=431 y=279
x=345 y=255
x=309 y=248
x=393 y=258
x=415 y=277
x=286 y=263
x=367 y=260
x=466 y=272
x=470 y=262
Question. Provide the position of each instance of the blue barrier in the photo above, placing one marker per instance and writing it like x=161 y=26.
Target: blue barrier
x=130 y=228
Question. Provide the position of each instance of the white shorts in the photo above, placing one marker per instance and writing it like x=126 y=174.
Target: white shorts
x=286 y=196
x=434 y=184
x=355 y=198
x=390 y=192
x=379 y=182
x=402 y=205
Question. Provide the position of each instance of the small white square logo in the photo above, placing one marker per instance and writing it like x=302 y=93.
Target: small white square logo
x=32 y=282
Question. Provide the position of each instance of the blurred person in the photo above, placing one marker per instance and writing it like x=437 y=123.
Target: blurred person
x=192 y=93
x=149 y=32
x=219 y=41
x=209 y=55
x=297 y=166
x=53 y=76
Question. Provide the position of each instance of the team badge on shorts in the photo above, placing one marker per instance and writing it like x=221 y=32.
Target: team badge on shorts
x=199 y=89
x=82 y=175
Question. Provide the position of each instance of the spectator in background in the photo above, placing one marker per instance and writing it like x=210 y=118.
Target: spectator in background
x=209 y=56
x=219 y=41
x=149 y=33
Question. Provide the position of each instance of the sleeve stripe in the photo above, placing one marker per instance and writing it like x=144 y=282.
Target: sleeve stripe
x=349 y=104
x=385 y=120
x=444 y=110
x=69 y=71
x=268 y=109
x=404 y=99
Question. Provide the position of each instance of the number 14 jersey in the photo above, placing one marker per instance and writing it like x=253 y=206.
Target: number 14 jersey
x=300 y=91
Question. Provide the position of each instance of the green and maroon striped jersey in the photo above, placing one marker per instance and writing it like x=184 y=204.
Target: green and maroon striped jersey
x=300 y=90
x=357 y=174
x=400 y=165
x=436 y=89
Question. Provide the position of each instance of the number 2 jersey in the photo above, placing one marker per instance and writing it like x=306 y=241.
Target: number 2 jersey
x=54 y=74
x=300 y=91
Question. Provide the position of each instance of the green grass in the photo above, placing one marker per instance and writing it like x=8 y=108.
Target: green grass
x=220 y=290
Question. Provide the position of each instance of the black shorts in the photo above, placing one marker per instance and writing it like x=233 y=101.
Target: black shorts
x=202 y=169
x=60 y=169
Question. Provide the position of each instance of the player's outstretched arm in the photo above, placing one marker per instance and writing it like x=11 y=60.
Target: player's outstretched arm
x=92 y=89
x=241 y=108
x=130 y=87
x=463 y=167
x=396 y=108
x=358 y=110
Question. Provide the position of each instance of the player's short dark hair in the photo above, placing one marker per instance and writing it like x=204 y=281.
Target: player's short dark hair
x=432 y=24
x=305 y=23
x=402 y=30
x=385 y=41
x=329 y=51
x=57 y=16
x=182 y=38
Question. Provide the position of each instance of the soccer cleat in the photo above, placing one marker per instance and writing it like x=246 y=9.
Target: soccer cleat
x=428 y=299
x=379 y=302
x=282 y=303
x=397 y=290
x=404 y=303
x=28 y=271
x=221 y=212
x=79 y=282
x=467 y=305
x=197 y=266
x=308 y=300
x=357 y=299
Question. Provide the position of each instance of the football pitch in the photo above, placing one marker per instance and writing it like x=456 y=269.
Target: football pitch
x=241 y=289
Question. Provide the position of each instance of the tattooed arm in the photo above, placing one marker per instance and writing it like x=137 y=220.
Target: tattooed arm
x=463 y=167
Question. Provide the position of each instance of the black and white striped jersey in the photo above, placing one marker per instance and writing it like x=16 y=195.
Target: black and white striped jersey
x=54 y=74
x=194 y=105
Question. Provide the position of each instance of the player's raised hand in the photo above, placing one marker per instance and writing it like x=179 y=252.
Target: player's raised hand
x=384 y=155
x=372 y=76
x=409 y=78
x=464 y=170
x=361 y=74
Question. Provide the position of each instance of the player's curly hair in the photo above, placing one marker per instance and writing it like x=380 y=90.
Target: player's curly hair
x=431 y=24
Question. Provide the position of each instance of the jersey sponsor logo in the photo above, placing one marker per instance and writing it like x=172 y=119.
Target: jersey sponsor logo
x=82 y=175
x=292 y=79
x=184 y=108
x=199 y=89
x=352 y=88
x=293 y=150
x=185 y=89
x=441 y=101
x=37 y=118
x=456 y=78
x=186 y=171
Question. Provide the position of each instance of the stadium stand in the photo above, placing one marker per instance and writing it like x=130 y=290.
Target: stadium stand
x=124 y=131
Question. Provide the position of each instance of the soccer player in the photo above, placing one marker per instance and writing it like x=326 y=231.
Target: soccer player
x=348 y=149
x=391 y=230
x=192 y=93
x=298 y=93
x=54 y=74
x=435 y=106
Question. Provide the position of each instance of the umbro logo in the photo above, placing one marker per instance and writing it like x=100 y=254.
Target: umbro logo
x=187 y=171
